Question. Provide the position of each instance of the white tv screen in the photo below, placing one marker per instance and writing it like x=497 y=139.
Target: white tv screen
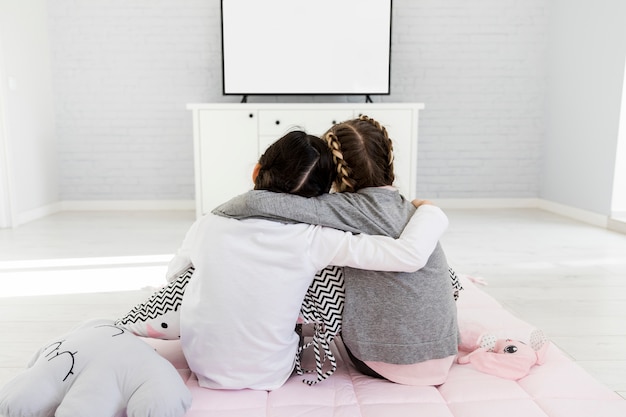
x=306 y=46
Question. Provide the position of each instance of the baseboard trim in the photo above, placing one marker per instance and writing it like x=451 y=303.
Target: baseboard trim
x=445 y=203
x=485 y=203
x=574 y=213
x=617 y=225
x=38 y=213
x=584 y=216
x=103 y=205
x=127 y=205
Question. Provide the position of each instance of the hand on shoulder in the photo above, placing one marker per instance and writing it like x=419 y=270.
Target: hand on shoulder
x=417 y=203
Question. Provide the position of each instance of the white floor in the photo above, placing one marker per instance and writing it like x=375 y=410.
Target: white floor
x=563 y=276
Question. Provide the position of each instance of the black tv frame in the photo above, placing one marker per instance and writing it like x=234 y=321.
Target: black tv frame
x=367 y=94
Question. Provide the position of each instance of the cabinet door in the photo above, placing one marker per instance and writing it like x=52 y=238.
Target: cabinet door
x=400 y=125
x=228 y=150
x=275 y=123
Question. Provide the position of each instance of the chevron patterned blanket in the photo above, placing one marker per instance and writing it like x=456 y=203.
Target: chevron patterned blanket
x=322 y=307
x=557 y=388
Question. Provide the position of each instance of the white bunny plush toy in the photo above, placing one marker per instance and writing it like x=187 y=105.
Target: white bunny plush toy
x=96 y=370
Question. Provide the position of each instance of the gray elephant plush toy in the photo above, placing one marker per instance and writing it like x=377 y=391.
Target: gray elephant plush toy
x=96 y=370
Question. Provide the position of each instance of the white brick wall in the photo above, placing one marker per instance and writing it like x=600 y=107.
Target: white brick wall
x=123 y=73
x=480 y=68
x=124 y=69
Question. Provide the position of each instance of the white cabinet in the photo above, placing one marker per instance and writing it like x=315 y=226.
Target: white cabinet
x=229 y=138
x=226 y=149
x=275 y=123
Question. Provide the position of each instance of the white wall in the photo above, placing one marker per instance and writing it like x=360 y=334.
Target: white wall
x=588 y=46
x=480 y=69
x=618 y=203
x=124 y=70
x=27 y=106
x=6 y=201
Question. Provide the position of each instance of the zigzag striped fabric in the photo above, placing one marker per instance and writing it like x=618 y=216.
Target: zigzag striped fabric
x=165 y=300
x=323 y=306
x=456 y=284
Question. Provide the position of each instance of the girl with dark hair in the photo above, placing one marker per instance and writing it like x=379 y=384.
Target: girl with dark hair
x=395 y=325
x=250 y=276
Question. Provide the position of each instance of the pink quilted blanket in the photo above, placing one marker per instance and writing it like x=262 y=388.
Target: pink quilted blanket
x=557 y=388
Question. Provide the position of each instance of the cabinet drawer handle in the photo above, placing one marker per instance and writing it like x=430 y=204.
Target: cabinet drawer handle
x=277 y=122
x=251 y=115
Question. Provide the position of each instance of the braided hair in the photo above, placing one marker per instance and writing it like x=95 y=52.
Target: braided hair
x=362 y=152
x=297 y=163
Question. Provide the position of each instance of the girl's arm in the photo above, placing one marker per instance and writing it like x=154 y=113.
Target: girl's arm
x=261 y=204
x=351 y=212
x=408 y=253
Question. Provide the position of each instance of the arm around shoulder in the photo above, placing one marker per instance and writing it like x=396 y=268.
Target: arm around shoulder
x=262 y=204
x=422 y=233
x=408 y=253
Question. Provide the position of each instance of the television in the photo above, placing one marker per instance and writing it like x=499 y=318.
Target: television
x=306 y=47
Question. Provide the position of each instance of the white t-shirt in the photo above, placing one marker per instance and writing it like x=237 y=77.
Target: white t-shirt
x=241 y=305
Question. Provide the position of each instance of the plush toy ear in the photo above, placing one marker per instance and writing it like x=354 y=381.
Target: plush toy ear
x=539 y=343
x=542 y=353
x=488 y=342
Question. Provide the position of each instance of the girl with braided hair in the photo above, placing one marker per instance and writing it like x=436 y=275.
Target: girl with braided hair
x=398 y=326
x=249 y=277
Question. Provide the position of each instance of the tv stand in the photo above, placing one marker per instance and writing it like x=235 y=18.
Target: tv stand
x=230 y=137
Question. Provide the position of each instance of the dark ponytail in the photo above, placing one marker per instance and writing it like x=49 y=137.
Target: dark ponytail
x=298 y=164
